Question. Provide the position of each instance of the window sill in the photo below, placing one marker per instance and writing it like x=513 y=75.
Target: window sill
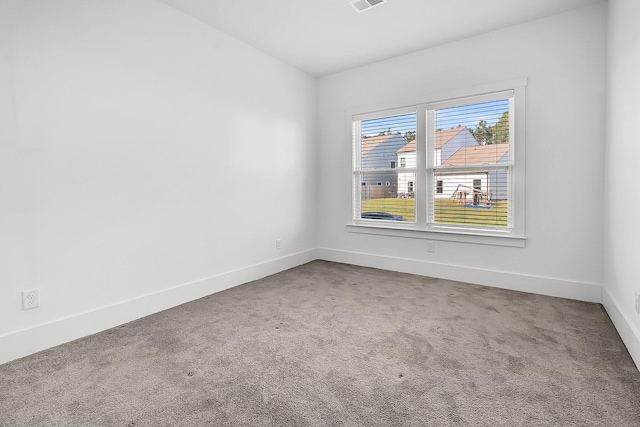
x=450 y=235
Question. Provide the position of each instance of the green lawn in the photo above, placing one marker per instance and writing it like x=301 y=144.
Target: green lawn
x=449 y=212
x=404 y=207
x=446 y=212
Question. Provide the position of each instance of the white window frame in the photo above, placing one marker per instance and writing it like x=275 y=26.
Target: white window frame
x=423 y=227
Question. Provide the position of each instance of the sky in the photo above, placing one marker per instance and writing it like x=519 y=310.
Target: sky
x=465 y=115
x=470 y=115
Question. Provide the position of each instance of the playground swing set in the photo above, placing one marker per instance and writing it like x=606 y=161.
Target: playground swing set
x=479 y=199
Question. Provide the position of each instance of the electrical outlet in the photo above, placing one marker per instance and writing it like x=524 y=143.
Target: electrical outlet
x=638 y=302
x=278 y=243
x=431 y=246
x=30 y=299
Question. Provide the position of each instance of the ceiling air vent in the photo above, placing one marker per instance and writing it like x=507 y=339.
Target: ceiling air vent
x=362 y=5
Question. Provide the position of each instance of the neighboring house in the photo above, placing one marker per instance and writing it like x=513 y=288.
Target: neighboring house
x=379 y=152
x=447 y=143
x=471 y=187
x=407 y=159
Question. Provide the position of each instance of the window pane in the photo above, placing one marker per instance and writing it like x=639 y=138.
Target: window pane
x=478 y=198
x=478 y=136
x=383 y=138
x=387 y=161
x=475 y=134
x=391 y=201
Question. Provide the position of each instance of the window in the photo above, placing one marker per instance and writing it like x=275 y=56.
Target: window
x=458 y=173
x=381 y=141
x=470 y=145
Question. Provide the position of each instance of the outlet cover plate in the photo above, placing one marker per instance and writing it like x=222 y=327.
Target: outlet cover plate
x=30 y=299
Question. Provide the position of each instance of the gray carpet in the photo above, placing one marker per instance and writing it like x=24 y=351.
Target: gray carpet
x=329 y=344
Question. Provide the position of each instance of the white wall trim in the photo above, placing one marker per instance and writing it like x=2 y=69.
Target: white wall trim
x=590 y=292
x=24 y=342
x=625 y=327
x=31 y=340
x=451 y=235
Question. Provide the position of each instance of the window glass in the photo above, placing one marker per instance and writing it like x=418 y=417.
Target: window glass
x=471 y=164
x=382 y=144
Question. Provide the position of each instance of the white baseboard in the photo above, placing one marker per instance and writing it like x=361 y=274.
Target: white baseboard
x=28 y=341
x=24 y=342
x=626 y=329
x=590 y=292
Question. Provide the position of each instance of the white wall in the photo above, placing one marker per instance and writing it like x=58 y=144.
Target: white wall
x=622 y=197
x=563 y=58
x=123 y=126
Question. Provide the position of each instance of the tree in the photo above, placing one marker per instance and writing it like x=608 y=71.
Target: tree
x=483 y=133
x=496 y=134
x=502 y=129
x=410 y=135
x=387 y=132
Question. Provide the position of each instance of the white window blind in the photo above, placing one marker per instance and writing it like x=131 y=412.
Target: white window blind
x=381 y=141
x=470 y=143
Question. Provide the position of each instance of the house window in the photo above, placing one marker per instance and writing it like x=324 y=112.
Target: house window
x=470 y=143
x=458 y=165
x=380 y=139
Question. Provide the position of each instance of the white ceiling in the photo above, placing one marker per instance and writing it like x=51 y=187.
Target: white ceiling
x=321 y=37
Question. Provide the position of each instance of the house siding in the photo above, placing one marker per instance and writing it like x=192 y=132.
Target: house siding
x=380 y=157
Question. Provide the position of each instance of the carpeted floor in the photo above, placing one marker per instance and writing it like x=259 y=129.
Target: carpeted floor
x=329 y=344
